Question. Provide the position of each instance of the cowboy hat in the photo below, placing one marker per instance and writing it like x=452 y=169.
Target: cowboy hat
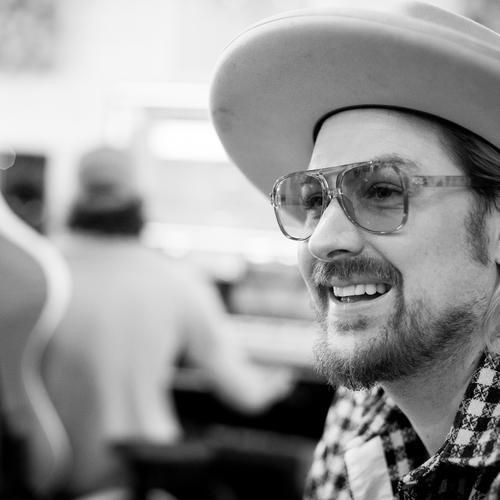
x=276 y=80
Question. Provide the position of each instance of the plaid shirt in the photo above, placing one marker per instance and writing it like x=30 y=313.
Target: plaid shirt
x=369 y=450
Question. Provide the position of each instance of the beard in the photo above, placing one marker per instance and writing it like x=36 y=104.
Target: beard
x=413 y=341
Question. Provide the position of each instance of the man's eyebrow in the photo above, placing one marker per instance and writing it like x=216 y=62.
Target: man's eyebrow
x=411 y=166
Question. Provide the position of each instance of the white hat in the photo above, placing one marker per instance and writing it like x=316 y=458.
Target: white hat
x=277 y=79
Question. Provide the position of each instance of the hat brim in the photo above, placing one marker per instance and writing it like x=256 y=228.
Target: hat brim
x=278 y=79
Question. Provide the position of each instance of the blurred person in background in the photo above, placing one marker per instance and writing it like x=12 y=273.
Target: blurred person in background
x=375 y=127
x=133 y=314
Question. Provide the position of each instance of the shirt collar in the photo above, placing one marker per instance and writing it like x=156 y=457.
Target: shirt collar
x=380 y=412
x=474 y=436
x=475 y=433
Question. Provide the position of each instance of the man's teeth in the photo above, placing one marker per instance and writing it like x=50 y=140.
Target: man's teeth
x=353 y=290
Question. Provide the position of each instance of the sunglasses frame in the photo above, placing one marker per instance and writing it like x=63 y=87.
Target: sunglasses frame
x=330 y=194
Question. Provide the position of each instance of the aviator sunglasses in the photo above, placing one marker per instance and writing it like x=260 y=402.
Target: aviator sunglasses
x=374 y=196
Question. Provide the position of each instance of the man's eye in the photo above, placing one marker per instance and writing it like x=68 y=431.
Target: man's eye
x=314 y=201
x=384 y=192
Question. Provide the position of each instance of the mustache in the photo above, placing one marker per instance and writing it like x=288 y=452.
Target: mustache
x=345 y=268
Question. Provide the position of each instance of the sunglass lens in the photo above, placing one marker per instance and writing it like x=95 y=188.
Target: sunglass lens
x=299 y=201
x=374 y=196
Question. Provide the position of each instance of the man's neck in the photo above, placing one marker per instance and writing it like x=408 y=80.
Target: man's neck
x=431 y=401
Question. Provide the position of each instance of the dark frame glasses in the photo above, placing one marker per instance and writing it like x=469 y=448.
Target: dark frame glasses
x=374 y=195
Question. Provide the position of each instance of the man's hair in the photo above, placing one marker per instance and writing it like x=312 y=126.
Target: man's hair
x=479 y=160
x=126 y=220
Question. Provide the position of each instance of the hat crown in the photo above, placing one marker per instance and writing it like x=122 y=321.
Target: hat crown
x=398 y=13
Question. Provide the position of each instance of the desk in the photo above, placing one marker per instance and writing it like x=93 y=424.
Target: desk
x=225 y=464
x=262 y=457
x=270 y=341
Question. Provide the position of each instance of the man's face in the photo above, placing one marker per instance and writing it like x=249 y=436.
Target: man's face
x=431 y=290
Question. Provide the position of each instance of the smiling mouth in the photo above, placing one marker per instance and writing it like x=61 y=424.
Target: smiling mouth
x=356 y=293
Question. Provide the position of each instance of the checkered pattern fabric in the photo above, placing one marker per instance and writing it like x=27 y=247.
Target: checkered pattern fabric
x=466 y=467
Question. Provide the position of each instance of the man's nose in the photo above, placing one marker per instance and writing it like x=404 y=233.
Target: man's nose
x=335 y=235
